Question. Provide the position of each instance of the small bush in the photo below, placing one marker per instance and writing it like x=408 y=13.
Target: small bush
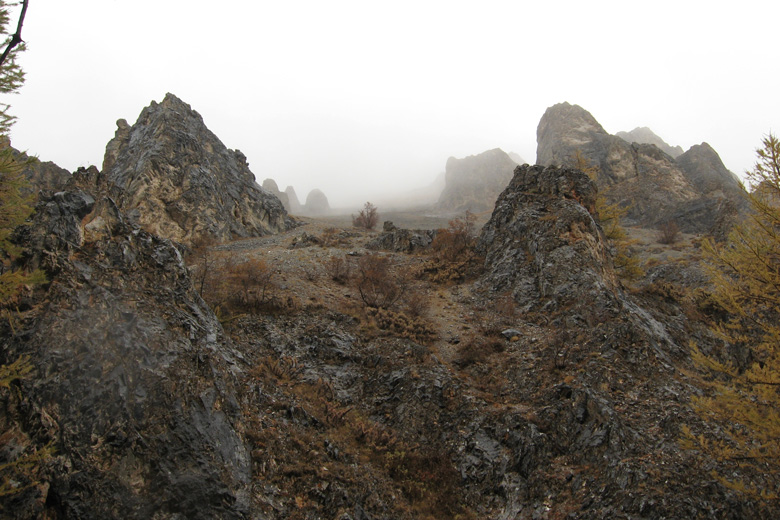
x=367 y=218
x=477 y=351
x=339 y=269
x=457 y=241
x=668 y=232
x=378 y=283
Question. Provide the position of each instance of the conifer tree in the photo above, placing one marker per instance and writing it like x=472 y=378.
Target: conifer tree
x=609 y=217
x=745 y=272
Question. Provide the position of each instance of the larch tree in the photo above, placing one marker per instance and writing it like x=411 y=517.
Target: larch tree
x=609 y=217
x=745 y=273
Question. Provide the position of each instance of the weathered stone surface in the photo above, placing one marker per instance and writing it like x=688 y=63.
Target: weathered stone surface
x=135 y=379
x=644 y=135
x=640 y=177
x=43 y=176
x=182 y=182
x=543 y=245
x=473 y=183
x=397 y=239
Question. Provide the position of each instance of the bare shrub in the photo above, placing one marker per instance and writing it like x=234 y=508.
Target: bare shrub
x=252 y=281
x=339 y=269
x=668 y=232
x=416 y=303
x=378 y=283
x=203 y=262
x=403 y=326
x=367 y=218
x=457 y=240
x=477 y=351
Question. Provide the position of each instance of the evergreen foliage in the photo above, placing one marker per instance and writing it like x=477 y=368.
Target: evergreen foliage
x=745 y=272
x=11 y=73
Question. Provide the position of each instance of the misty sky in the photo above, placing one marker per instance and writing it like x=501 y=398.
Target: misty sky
x=363 y=99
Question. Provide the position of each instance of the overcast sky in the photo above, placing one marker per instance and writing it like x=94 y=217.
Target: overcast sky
x=366 y=98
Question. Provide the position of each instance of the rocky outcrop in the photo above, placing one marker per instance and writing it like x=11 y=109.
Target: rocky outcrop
x=180 y=182
x=292 y=198
x=134 y=378
x=473 y=183
x=702 y=166
x=641 y=177
x=644 y=135
x=43 y=176
x=316 y=204
x=544 y=247
x=271 y=187
x=397 y=239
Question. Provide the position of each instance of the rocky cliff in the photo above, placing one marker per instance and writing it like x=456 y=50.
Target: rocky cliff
x=42 y=175
x=473 y=183
x=180 y=182
x=654 y=186
x=135 y=381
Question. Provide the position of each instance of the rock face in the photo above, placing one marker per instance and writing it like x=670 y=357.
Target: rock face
x=42 y=175
x=182 y=183
x=542 y=244
x=271 y=187
x=138 y=392
x=473 y=183
x=641 y=177
x=644 y=135
x=316 y=204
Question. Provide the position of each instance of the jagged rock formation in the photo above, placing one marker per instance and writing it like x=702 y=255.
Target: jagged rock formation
x=543 y=245
x=316 y=204
x=138 y=391
x=543 y=248
x=270 y=186
x=42 y=175
x=182 y=183
x=644 y=135
x=292 y=198
x=398 y=239
x=642 y=177
x=704 y=169
x=473 y=183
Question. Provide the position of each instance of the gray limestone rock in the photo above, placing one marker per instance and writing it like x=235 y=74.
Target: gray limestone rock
x=650 y=183
x=135 y=379
x=182 y=182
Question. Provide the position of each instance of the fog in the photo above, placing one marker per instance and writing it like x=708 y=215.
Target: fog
x=364 y=101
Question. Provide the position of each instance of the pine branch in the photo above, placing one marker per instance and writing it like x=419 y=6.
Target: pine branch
x=16 y=39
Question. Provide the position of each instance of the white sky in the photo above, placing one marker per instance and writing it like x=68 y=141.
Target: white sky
x=363 y=98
